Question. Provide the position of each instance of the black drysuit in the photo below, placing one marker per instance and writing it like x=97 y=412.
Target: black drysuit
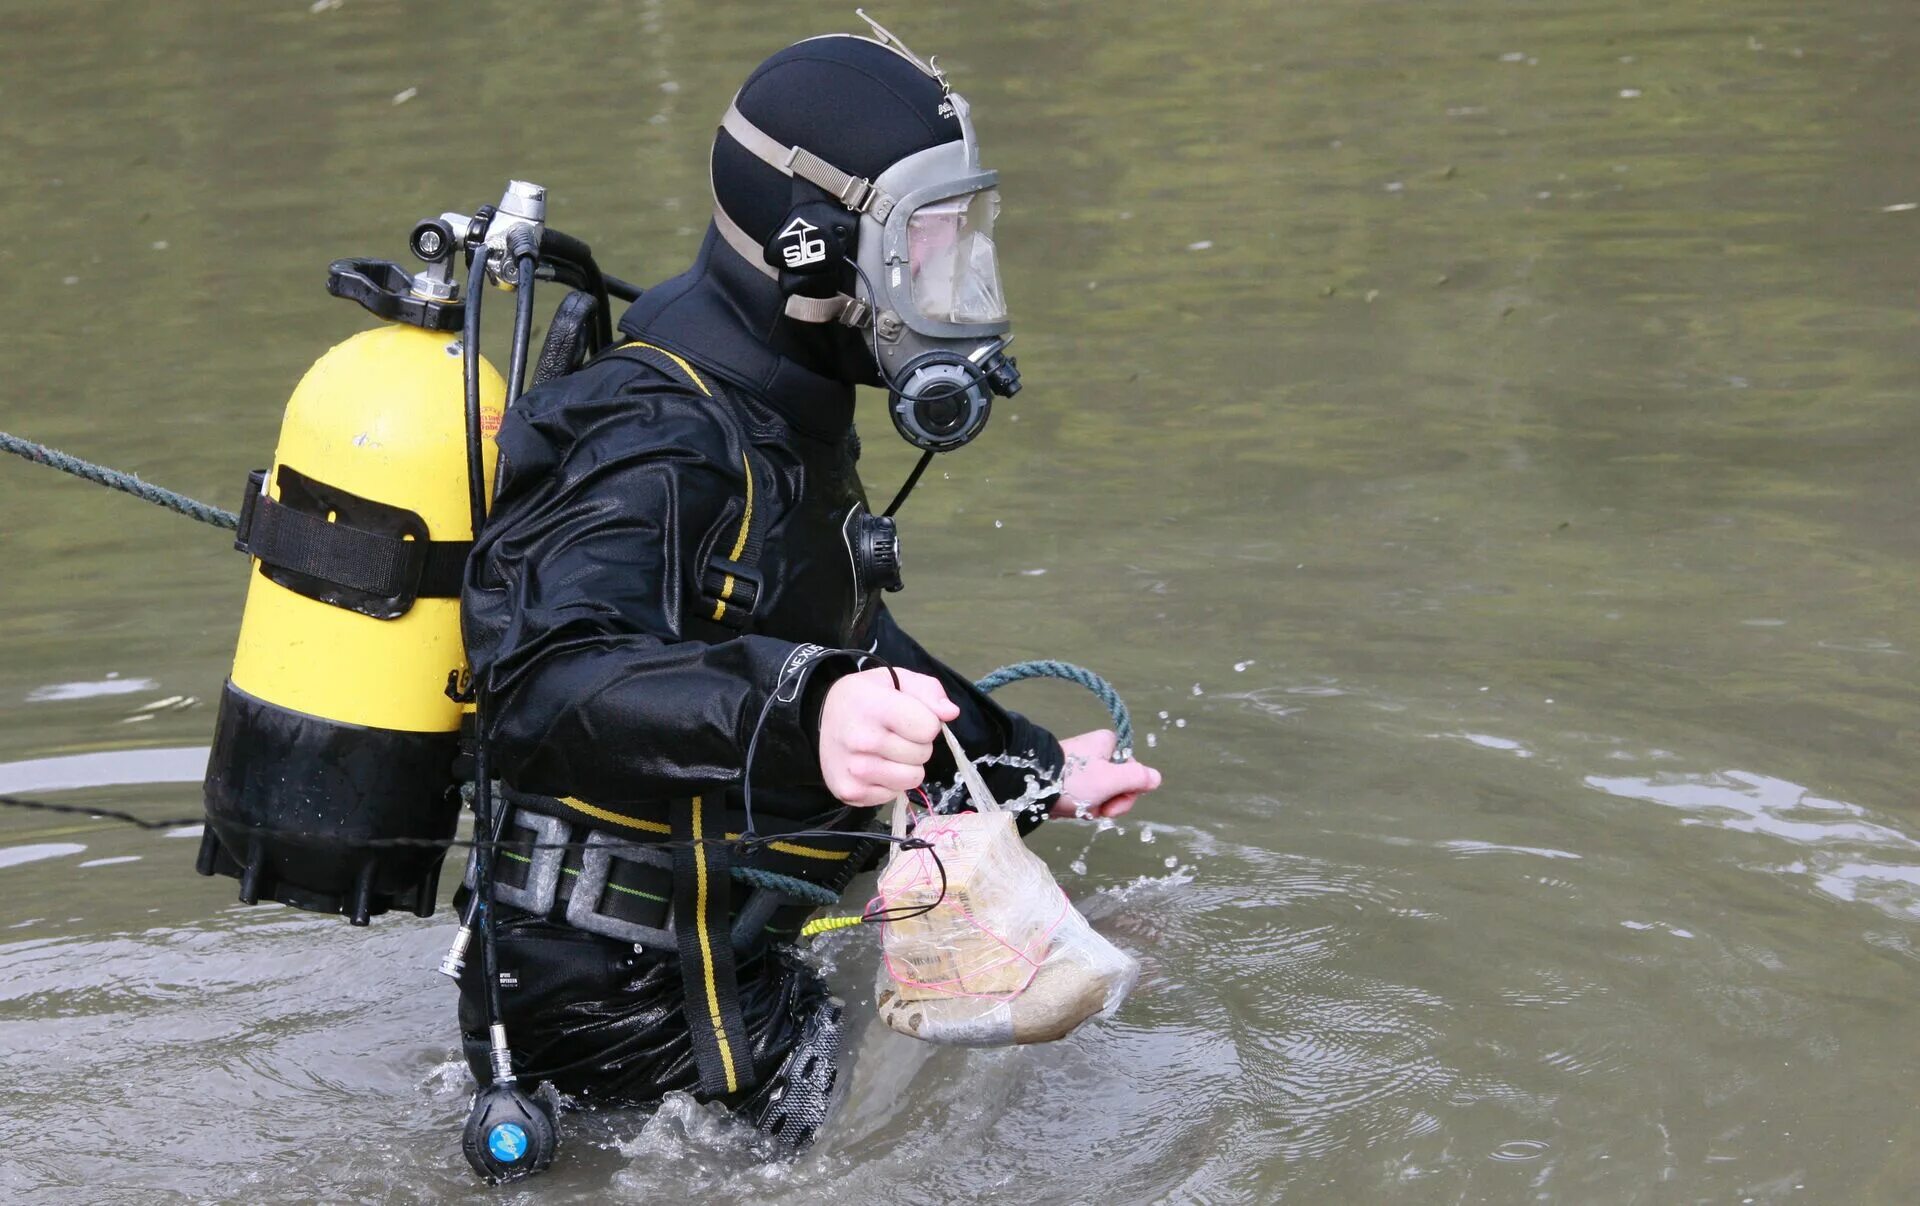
x=612 y=689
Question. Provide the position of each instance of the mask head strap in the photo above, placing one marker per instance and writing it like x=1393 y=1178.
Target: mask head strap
x=854 y=192
x=857 y=193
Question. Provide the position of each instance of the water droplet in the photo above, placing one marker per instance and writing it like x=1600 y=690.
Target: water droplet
x=404 y=95
x=1241 y=667
x=1202 y=245
x=1170 y=862
x=1153 y=739
x=1196 y=689
x=1178 y=724
x=998 y=524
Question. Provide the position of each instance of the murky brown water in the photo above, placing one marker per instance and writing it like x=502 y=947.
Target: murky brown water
x=1477 y=438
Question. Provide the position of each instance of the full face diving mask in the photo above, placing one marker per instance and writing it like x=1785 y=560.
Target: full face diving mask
x=929 y=294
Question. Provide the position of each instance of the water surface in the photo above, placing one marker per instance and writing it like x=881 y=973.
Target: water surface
x=1477 y=438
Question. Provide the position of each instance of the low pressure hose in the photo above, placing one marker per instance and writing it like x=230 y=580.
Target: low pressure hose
x=482 y=796
x=525 y=261
x=509 y=1133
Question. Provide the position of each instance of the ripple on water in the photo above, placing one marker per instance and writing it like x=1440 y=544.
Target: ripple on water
x=1548 y=988
x=1516 y=1151
x=1590 y=1057
x=1347 y=1060
x=1468 y=848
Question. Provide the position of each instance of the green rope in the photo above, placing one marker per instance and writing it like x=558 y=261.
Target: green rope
x=114 y=479
x=1046 y=668
x=787 y=885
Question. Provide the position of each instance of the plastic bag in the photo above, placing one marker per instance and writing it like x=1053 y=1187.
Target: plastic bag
x=1003 y=957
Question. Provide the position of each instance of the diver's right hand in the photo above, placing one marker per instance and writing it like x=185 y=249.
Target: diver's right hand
x=875 y=739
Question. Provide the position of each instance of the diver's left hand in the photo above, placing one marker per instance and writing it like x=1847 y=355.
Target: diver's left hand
x=1094 y=785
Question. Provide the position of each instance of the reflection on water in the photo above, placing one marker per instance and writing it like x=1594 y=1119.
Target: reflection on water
x=104 y=768
x=1457 y=429
x=14 y=856
x=1847 y=855
x=111 y=685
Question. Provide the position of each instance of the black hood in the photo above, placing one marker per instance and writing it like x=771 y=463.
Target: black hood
x=726 y=318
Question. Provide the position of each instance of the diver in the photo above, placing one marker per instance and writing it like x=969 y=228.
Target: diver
x=680 y=585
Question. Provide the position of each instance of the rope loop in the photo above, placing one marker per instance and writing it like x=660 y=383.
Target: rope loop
x=1048 y=668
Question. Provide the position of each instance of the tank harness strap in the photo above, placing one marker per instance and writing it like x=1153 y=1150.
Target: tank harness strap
x=712 y=997
x=294 y=539
x=730 y=582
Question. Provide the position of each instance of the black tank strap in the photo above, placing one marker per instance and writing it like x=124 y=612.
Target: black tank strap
x=373 y=572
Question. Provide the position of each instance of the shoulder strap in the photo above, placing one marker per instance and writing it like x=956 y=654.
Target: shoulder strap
x=656 y=357
x=730 y=583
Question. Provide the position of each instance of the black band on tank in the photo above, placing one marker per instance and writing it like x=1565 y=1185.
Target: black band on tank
x=292 y=798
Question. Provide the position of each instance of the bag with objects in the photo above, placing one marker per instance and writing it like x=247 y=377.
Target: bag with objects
x=981 y=948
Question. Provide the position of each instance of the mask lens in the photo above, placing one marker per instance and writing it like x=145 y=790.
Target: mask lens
x=950 y=251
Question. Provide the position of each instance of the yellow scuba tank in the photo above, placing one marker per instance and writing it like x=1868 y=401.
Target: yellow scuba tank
x=339 y=725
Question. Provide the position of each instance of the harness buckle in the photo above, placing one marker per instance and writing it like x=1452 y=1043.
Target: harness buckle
x=857 y=194
x=733 y=589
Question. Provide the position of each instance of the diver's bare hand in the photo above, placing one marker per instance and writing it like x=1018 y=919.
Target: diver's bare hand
x=875 y=739
x=1094 y=785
